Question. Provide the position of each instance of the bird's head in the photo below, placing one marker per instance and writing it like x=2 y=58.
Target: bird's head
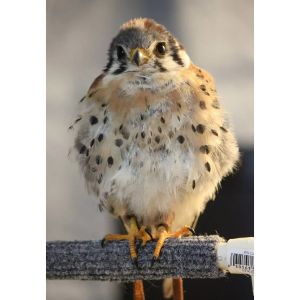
x=144 y=47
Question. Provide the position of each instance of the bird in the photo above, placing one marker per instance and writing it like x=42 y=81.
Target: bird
x=152 y=140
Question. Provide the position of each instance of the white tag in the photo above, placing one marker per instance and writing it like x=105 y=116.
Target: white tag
x=237 y=256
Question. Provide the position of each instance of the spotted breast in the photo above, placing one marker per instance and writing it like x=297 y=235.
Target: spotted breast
x=151 y=145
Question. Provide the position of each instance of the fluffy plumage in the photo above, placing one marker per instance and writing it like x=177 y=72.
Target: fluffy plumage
x=153 y=142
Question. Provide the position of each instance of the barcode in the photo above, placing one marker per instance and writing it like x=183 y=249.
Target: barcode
x=242 y=261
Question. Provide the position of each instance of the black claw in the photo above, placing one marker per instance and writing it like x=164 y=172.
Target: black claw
x=154 y=260
x=192 y=230
x=135 y=261
x=103 y=243
x=149 y=233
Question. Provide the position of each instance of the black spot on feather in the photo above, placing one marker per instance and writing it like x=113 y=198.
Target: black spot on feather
x=110 y=161
x=207 y=166
x=118 y=142
x=98 y=159
x=200 y=128
x=194 y=184
x=100 y=137
x=214 y=132
x=82 y=149
x=93 y=120
x=157 y=139
x=204 y=149
x=180 y=139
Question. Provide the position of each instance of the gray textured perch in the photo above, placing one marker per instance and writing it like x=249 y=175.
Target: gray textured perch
x=193 y=257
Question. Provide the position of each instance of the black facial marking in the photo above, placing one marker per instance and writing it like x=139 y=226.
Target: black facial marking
x=160 y=66
x=180 y=139
x=100 y=137
x=194 y=184
x=207 y=166
x=202 y=105
x=110 y=161
x=118 y=142
x=92 y=142
x=174 y=52
x=214 y=132
x=200 y=128
x=93 y=120
x=98 y=159
x=109 y=64
x=120 y=53
x=122 y=68
x=204 y=149
x=157 y=139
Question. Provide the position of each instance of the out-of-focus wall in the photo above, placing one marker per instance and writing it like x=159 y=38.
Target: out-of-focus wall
x=218 y=36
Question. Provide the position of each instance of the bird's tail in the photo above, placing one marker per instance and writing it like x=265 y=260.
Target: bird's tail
x=167 y=288
x=173 y=287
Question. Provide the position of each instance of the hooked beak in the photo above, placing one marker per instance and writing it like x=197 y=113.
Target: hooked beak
x=138 y=56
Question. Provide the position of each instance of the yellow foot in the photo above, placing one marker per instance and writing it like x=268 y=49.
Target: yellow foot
x=134 y=233
x=163 y=234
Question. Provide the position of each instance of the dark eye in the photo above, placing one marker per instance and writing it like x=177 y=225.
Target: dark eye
x=160 y=49
x=120 y=52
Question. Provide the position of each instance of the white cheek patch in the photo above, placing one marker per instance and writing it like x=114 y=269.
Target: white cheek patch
x=185 y=58
x=168 y=62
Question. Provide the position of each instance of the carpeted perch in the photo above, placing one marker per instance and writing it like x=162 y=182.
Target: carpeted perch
x=192 y=257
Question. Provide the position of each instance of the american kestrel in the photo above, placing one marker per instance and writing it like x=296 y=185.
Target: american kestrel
x=152 y=140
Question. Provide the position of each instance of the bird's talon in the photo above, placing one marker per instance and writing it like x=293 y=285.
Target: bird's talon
x=135 y=262
x=191 y=230
x=103 y=242
x=154 y=260
x=148 y=231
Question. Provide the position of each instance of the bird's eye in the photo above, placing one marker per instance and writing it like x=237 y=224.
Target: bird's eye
x=160 y=49
x=120 y=53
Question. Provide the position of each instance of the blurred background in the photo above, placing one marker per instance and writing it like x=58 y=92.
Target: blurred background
x=218 y=35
